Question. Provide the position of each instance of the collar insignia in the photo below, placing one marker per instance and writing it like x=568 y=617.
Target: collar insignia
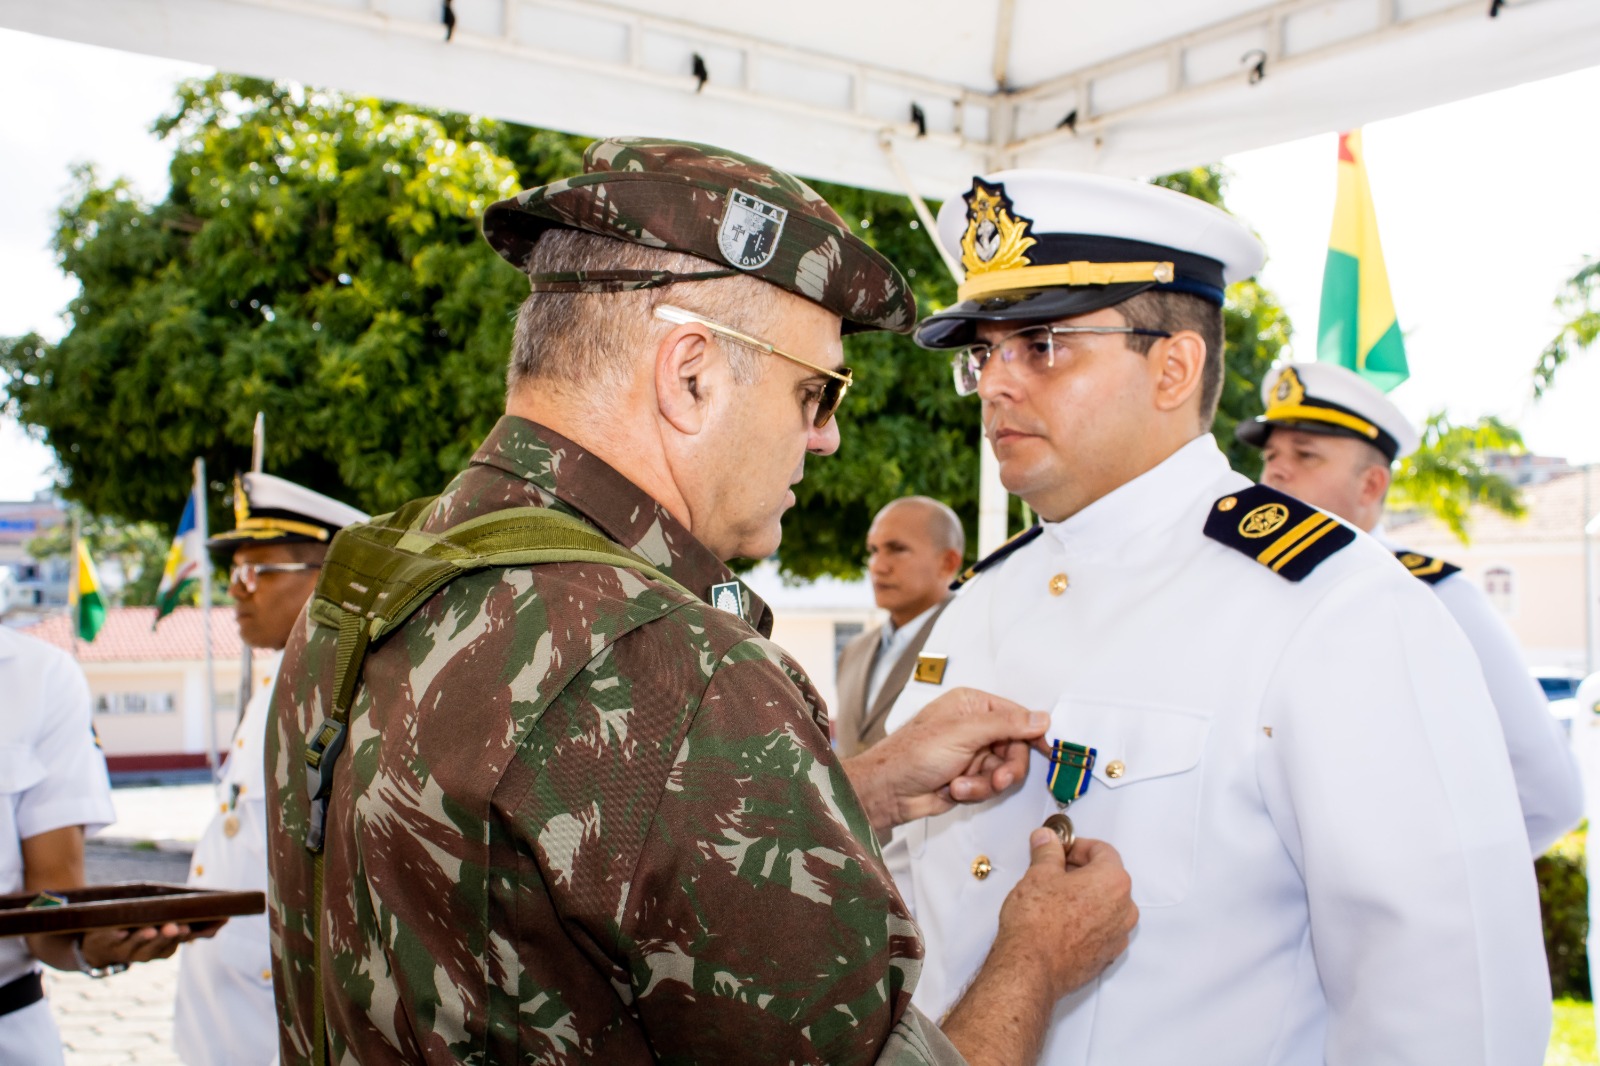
x=996 y=238
x=728 y=597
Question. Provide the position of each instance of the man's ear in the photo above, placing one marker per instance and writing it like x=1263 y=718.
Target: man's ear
x=1375 y=483
x=680 y=361
x=1179 y=364
x=950 y=563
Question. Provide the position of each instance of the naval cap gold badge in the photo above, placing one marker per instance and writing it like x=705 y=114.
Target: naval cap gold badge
x=996 y=238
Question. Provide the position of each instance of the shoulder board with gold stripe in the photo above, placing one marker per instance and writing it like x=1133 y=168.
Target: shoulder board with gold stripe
x=1025 y=537
x=1278 y=531
x=1426 y=567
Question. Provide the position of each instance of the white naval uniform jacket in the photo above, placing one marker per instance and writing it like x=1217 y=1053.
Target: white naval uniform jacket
x=1306 y=782
x=224 y=1014
x=52 y=775
x=1549 y=786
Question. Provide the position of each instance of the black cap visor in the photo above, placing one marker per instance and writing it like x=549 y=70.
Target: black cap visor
x=955 y=326
x=1256 y=431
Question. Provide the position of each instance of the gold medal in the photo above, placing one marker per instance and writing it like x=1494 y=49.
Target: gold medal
x=1061 y=825
x=230 y=826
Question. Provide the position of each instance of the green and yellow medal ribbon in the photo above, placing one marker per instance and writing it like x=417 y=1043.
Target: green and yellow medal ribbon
x=1071 y=767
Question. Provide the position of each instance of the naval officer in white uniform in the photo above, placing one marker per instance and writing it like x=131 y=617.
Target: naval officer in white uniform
x=225 y=1014
x=1329 y=437
x=1329 y=860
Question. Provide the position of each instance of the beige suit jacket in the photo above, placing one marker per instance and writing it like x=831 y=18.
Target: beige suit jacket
x=856 y=727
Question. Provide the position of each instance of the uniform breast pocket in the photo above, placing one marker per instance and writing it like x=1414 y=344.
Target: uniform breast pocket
x=1145 y=798
x=20 y=769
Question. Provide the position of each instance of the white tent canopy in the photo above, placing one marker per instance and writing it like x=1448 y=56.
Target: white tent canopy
x=1153 y=85
x=890 y=94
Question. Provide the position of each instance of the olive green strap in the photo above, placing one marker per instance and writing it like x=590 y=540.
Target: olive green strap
x=376 y=576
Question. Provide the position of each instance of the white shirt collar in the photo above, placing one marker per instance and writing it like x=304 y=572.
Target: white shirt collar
x=1141 y=512
x=892 y=632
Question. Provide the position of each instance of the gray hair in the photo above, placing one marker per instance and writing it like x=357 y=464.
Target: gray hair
x=590 y=339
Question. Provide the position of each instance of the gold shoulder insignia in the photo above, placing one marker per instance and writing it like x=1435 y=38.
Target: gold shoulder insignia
x=1025 y=537
x=1426 y=567
x=1288 y=537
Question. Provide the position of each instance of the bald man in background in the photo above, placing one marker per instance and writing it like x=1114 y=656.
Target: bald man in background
x=914 y=551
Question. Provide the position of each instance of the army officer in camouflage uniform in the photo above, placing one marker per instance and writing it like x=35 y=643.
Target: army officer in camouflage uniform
x=561 y=834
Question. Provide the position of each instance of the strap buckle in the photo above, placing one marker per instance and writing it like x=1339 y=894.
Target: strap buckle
x=321 y=755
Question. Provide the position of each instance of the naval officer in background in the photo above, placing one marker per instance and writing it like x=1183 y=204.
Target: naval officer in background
x=1330 y=437
x=914 y=550
x=1329 y=860
x=225 y=1014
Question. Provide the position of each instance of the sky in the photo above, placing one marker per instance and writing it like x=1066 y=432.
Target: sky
x=1484 y=206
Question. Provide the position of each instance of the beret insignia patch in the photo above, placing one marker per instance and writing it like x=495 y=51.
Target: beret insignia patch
x=748 y=236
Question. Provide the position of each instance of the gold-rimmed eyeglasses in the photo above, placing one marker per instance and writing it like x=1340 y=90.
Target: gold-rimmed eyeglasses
x=1032 y=348
x=248 y=575
x=837 y=382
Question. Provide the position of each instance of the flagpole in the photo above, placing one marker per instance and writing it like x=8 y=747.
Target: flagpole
x=201 y=520
x=247 y=664
x=73 y=589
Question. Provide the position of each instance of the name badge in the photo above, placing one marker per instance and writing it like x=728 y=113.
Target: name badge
x=930 y=668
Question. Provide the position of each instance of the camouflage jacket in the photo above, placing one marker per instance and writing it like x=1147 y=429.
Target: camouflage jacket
x=569 y=828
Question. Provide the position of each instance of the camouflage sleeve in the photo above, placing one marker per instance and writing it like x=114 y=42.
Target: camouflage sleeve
x=760 y=914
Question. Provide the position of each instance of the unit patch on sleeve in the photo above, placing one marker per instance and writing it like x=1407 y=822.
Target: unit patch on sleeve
x=1278 y=531
x=1426 y=567
x=1018 y=541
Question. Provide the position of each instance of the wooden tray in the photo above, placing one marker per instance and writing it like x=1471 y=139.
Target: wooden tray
x=124 y=905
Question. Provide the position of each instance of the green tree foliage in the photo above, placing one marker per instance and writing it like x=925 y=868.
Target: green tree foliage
x=1580 y=299
x=1446 y=475
x=139 y=550
x=318 y=259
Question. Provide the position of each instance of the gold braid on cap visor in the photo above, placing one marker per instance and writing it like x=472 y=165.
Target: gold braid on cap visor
x=267 y=528
x=1078 y=272
x=1295 y=412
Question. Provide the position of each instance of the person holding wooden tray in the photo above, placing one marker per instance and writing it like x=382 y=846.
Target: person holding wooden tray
x=53 y=790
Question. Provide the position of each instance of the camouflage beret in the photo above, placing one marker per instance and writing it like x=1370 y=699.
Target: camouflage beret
x=711 y=203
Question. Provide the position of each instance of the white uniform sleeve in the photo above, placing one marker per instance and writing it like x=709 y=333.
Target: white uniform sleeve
x=1548 y=784
x=74 y=789
x=1390 y=787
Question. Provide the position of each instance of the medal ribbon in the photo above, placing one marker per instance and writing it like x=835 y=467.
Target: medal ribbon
x=1071 y=766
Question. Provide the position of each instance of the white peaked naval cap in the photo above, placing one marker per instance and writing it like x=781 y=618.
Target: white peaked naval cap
x=1046 y=244
x=268 y=509
x=1327 y=398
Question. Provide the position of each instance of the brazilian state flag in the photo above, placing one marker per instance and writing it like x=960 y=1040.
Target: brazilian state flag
x=1357 y=328
x=83 y=595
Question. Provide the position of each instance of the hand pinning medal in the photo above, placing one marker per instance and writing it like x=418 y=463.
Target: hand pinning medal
x=1071 y=767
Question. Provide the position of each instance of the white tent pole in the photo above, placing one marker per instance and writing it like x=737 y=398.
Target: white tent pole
x=991 y=493
x=1002 y=43
x=886 y=142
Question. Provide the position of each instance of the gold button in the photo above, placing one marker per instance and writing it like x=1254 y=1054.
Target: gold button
x=230 y=826
x=981 y=867
x=1227 y=503
x=1115 y=768
x=266 y=975
x=1058 y=584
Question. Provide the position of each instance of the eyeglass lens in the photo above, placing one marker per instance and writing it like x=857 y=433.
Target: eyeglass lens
x=1033 y=348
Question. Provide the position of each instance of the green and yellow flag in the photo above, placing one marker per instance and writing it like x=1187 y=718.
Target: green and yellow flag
x=1357 y=328
x=84 y=600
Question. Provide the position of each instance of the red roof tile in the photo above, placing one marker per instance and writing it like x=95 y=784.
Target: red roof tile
x=127 y=638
